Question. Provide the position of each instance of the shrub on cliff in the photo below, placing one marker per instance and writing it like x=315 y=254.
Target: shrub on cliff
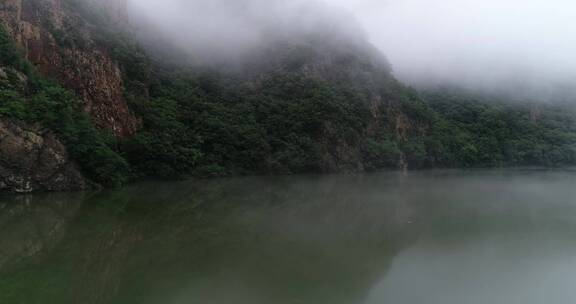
x=37 y=100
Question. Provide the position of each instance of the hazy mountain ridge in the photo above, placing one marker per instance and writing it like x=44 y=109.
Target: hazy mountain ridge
x=306 y=101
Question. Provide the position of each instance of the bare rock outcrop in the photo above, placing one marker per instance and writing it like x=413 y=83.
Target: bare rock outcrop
x=59 y=42
x=32 y=159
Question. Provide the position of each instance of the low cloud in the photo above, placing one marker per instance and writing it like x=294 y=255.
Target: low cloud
x=483 y=44
x=217 y=29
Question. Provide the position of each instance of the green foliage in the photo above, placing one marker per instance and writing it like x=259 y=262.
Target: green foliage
x=59 y=110
x=415 y=152
x=10 y=56
x=381 y=154
x=165 y=148
x=287 y=118
x=487 y=132
x=274 y=128
x=12 y=104
x=211 y=124
x=31 y=98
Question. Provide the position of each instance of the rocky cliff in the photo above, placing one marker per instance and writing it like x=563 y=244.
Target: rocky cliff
x=60 y=43
x=32 y=159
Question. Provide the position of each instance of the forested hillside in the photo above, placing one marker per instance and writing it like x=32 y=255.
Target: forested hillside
x=310 y=104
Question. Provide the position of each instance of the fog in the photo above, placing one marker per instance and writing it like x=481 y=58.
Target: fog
x=228 y=29
x=484 y=44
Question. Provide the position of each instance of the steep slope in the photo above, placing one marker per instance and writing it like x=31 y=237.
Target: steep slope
x=61 y=44
x=34 y=160
x=320 y=99
x=313 y=103
x=320 y=103
x=45 y=133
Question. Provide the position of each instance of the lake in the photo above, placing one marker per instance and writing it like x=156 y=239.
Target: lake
x=430 y=237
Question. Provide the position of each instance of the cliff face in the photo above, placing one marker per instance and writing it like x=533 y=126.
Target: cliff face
x=59 y=42
x=32 y=159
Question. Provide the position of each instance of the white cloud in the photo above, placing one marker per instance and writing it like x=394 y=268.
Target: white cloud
x=473 y=41
x=482 y=43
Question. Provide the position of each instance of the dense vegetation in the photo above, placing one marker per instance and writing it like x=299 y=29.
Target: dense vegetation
x=25 y=95
x=206 y=125
x=202 y=123
x=482 y=131
x=282 y=120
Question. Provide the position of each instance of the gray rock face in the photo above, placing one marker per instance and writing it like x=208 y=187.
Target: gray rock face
x=32 y=159
x=90 y=72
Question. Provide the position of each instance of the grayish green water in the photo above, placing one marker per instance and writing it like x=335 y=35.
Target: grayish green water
x=438 y=237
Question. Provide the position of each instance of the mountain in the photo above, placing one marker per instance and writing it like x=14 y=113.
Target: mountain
x=317 y=100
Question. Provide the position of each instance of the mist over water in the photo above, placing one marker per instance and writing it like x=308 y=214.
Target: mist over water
x=515 y=46
x=440 y=237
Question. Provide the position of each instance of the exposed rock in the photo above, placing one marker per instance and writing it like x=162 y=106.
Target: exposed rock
x=32 y=159
x=37 y=25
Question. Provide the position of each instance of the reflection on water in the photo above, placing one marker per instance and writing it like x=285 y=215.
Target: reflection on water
x=445 y=237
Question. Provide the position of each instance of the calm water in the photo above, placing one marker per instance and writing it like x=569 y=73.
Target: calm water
x=440 y=237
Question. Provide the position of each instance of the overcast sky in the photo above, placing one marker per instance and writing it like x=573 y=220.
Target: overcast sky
x=480 y=42
x=471 y=41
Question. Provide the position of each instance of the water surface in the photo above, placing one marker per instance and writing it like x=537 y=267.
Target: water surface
x=436 y=237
